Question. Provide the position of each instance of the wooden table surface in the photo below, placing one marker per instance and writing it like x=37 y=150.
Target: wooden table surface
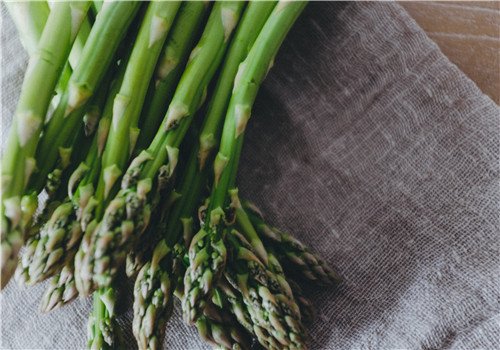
x=468 y=33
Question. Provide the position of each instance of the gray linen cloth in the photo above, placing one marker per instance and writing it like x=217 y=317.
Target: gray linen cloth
x=369 y=145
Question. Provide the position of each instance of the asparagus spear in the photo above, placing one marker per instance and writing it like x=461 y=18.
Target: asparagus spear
x=208 y=242
x=152 y=302
x=169 y=68
x=219 y=327
x=103 y=330
x=30 y=18
x=253 y=20
x=17 y=162
x=251 y=24
x=60 y=234
x=60 y=291
x=106 y=35
x=123 y=134
x=240 y=310
x=128 y=213
x=157 y=279
x=181 y=40
x=269 y=304
x=307 y=309
x=48 y=262
x=299 y=259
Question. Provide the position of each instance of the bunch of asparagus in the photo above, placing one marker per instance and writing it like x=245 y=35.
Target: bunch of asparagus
x=138 y=159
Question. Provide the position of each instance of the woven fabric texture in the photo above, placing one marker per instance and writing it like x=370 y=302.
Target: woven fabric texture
x=370 y=146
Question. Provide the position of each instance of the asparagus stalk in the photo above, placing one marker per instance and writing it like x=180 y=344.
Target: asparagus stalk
x=91 y=259
x=104 y=332
x=269 y=303
x=307 y=309
x=175 y=53
x=29 y=18
x=59 y=236
x=298 y=259
x=157 y=279
x=168 y=70
x=106 y=34
x=243 y=315
x=128 y=213
x=209 y=241
x=218 y=327
x=253 y=20
x=17 y=162
x=276 y=277
x=60 y=291
x=153 y=234
x=194 y=179
x=152 y=302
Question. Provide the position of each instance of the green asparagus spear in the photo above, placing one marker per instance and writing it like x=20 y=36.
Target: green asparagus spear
x=208 y=242
x=60 y=291
x=99 y=51
x=128 y=213
x=30 y=18
x=60 y=234
x=297 y=258
x=157 y=279
x=103 y=329
x=270 y=305
x=219 y=328
x=181 y=40
x=91 y=260
x=18 y=162
x=253 y=20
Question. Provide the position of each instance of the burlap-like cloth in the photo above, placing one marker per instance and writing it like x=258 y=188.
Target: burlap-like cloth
x=369 y=145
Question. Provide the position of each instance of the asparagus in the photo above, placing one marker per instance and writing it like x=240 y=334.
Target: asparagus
x=128 y=213
x=275 y=274
x=99 y=51
x=194 y=179
x=208 y=242
x=152 y=235
x=29 y=18
x=297 y=257
x=58 y=237
x=47 y=262
x=152 y=299
x=121 y=140
x=103 y=329
x=217 y=326
x=252 y=22
x=17 y=162
x=254 y=286
x=175 y=53
x=269 y=304
x=157 y=279
x=240 y=310
x=169 y=68
x=253 y=19
x=307 y=309
x=60 y=291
